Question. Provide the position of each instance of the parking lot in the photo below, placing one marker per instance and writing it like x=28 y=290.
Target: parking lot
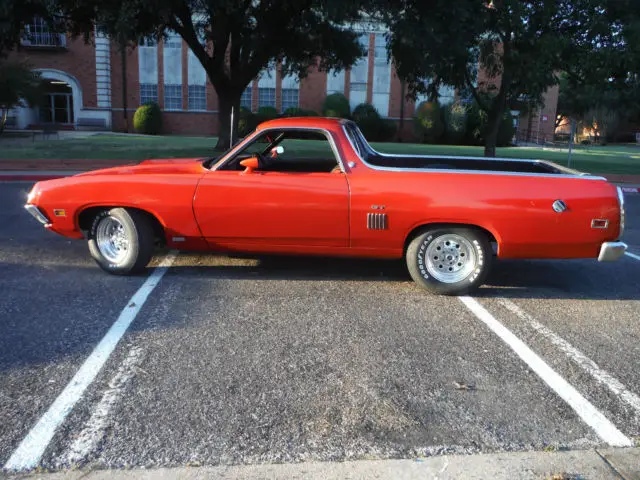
x=232 y=360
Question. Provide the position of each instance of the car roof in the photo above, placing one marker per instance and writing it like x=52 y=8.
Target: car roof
x=308 y=122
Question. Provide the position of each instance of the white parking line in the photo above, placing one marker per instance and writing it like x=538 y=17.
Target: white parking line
x=95 y=427
x=588 y=365
x=633 y=255
x=606 y=430
x=32 y=447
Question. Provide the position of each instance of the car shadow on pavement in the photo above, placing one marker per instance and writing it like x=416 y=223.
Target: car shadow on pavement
x=562 y=279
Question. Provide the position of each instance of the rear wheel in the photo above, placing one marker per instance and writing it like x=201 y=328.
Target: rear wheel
x=449 y=260
x=121 y=241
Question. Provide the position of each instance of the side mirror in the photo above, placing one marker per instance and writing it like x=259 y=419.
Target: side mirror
x=250 y=164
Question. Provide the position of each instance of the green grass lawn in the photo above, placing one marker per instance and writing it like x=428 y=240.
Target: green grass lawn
x=595 y=159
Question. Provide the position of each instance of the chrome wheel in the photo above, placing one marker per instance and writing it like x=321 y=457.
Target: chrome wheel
x=112 y=240
x=450 y=258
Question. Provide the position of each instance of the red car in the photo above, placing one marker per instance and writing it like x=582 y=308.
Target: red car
x=315 y=186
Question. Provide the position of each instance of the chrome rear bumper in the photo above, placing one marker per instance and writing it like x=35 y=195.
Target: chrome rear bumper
x=611 y=251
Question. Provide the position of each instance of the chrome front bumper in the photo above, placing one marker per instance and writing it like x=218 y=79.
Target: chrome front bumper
x=611 y=251
x=37 y=214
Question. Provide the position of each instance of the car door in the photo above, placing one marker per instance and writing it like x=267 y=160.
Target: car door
x=289 y=203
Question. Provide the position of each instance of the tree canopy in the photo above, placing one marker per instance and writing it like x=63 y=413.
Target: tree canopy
x=14 y=14
x=235 y=40
x=516 y=45
x=519 y=46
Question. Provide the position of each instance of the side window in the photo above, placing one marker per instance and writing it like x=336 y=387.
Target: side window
x=304 y=151
x=301 y=151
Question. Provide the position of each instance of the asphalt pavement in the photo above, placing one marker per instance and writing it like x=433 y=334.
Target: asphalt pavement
x=237 y=361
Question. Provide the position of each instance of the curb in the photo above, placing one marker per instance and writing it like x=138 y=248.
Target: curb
x=606 y=464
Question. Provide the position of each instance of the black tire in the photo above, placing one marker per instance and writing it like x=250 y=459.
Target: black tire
x=479 y=266
x=140 y=235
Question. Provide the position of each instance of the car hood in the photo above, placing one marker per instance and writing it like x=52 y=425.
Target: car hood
x=174 y=166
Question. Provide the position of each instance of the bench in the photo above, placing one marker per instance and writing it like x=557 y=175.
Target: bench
x=91 y=123
x=49 y=129
x=11 y=122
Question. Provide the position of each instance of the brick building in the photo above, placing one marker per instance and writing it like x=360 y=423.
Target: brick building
x=85 y=85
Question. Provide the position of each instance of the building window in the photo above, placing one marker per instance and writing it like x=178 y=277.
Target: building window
x=173 y=40
x=173 y=97
x=360 y=75
x=290 y=97
x=381 y=76
x=197 y=97
x=148 y=42
x=148 y=93
x=266 y=97
x=245 y=99
x=39 y=34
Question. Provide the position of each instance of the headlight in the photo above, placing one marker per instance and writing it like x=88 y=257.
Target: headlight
x=622 y=213
x=32 y=195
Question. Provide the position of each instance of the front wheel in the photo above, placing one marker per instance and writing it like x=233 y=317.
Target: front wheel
x=449 y=260
x=121 y=241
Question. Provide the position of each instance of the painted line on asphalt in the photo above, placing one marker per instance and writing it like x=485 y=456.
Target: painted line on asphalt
x=632 y=255
x=603 y=427
x=588 y=365
x=32 y=447
x=90 y=436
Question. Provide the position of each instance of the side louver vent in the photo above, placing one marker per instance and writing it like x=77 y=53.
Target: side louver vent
x=377 y=221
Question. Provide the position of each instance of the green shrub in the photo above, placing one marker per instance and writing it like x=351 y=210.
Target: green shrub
x=369 y=121
x=298 y=112
x=148 y=119
x=476 y=125
x=428 y=123
x=388 y=130
x=294 y=112
x=455 y=120
x=268 y=113
x=372 y=125
x=336 y=105
x=247 y=122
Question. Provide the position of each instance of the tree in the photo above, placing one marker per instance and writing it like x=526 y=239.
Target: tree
x=13 y=16
x=235 y=40
x=600 y=84
x=19 y=86
x=499 y=51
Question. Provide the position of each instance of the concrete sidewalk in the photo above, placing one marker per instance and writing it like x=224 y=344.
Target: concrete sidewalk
x=607 y=463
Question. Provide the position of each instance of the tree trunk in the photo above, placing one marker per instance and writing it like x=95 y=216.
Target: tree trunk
x=227 y=100
x=491 y=133
x=125 y=113
x=494 y=119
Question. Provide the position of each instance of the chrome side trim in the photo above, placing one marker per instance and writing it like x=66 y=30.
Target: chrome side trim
x=623 y=214
x=37 y=214
x=376 y=221
x=611 y=251
x=569 y=174
x=229 y=156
